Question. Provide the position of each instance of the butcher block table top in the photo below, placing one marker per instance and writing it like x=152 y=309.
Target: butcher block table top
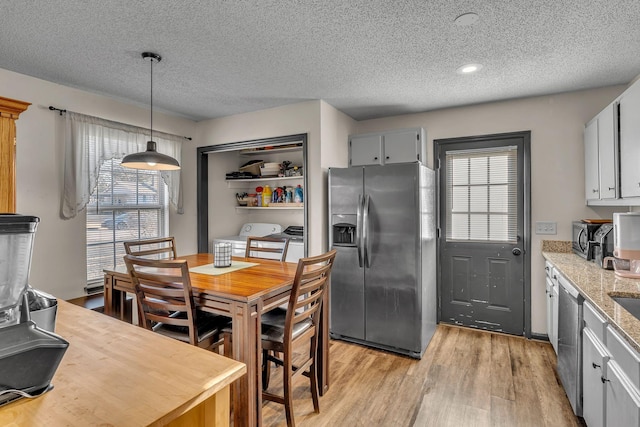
x=117 y=374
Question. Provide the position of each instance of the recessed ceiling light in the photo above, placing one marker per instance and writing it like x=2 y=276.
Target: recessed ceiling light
x=466 y=19
x=469 y=69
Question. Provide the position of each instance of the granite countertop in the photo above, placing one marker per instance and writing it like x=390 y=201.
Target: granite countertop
x=595 y=284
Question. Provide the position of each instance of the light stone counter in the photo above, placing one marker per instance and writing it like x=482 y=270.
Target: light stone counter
x=595 y=284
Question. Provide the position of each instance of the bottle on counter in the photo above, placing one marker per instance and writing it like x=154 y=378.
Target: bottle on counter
x=266 y=195
x=259 y=196
x=298 y=196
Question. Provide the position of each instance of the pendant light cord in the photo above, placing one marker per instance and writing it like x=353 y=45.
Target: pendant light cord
x=152 y=59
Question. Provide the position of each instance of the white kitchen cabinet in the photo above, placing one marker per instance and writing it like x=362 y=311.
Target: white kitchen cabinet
x=600 y=155
x=622 y=398
x=591 y=173
x=594 y=363
x=548 y=288
x=622 y=380
x=396 y=146
x=552 y=295
x=607 y=151
x=554 y=306
x=630 y=141
x=365 y=150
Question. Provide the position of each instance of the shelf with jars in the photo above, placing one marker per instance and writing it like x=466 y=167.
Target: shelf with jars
x=272 y=198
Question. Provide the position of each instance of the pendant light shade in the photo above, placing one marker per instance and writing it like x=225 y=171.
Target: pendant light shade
x=150 y=159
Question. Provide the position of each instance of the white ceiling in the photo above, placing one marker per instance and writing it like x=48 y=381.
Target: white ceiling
x=368 y=58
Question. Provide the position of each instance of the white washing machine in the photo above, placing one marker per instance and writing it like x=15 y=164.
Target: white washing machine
x=239 y=242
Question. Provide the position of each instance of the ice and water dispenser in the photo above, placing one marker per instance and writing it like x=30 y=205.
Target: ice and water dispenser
x=29 y=354
x=343 y=230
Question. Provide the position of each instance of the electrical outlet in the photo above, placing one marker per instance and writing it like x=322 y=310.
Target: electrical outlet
x=546 y=227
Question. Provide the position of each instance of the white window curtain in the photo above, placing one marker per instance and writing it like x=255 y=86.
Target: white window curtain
x=91 y=140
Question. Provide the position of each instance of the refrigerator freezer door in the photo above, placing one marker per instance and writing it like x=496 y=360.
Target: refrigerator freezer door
x=347 y=295
x=347 y=274
x=393 y=288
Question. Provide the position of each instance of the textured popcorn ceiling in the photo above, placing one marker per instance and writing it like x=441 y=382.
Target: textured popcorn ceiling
x=368 y=58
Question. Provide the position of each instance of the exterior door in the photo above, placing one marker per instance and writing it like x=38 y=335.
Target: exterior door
x=483 y=241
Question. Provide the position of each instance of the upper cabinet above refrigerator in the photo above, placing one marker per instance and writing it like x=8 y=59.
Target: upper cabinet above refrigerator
x=396 y=146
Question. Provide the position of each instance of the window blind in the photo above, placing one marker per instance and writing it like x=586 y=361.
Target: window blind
x=127 y=204
x=482 y=199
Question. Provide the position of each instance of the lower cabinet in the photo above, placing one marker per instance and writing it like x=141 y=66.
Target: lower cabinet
x=552 y=305
x=622 y=382
x=594 y=364
x=552 y=314
x=622 y=398
x=610 y=374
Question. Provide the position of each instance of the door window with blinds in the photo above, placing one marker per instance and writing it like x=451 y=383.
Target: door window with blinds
x=127 y=204
x=482 y=195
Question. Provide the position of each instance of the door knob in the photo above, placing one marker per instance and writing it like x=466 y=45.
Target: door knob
x=516 y=251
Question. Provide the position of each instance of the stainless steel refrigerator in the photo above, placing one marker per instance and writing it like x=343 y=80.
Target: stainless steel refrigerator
x=383 y=282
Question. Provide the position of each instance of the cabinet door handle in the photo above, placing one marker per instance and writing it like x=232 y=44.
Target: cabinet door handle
x=612 y=188
x=604 y=380
x=387 y=157
x=375 y=158
x=595 y=191
x=595 y=365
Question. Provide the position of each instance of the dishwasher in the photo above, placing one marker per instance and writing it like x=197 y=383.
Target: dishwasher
x=570 y=342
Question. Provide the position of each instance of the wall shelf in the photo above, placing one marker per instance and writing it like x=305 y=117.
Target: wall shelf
x=269 y=208
x=273 y=178
x=243 y=183
x=263 y=152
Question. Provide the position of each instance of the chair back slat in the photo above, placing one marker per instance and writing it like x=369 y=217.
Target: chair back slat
x=258 y=246
x=160 y=248
x=163 y=296
x=307 y=291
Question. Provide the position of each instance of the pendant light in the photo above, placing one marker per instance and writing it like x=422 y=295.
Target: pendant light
x=150 y=159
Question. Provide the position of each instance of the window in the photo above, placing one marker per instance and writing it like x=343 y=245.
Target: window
x=482 y=195
x=127 y=204
x=121 y=204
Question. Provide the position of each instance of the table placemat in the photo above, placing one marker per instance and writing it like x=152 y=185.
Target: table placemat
x=216 y=271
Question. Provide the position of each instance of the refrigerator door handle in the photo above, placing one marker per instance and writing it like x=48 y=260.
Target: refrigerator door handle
x=366 y=241
x=359 y=229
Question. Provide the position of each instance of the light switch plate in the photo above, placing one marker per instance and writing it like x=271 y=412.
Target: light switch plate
x=546 y=227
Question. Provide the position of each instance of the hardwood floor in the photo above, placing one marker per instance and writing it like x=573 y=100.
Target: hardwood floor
x=466 y=378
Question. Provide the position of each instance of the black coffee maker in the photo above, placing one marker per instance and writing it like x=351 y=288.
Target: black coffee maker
x=603 y=246
x=29 y=355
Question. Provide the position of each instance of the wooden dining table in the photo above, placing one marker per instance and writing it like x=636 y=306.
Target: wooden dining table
x=242 y=295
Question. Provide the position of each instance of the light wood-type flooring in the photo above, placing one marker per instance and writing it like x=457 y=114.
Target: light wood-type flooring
x=466 y=378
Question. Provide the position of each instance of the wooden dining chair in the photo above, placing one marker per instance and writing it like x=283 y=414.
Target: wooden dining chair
x=159 y=248
x=166 y=303
x=285 y=330
x=262 y=247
